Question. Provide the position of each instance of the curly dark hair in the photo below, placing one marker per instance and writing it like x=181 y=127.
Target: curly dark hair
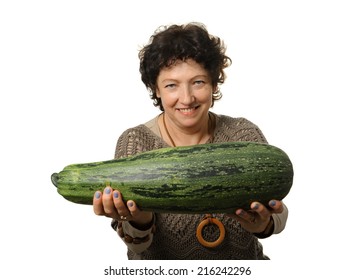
x=181 y=42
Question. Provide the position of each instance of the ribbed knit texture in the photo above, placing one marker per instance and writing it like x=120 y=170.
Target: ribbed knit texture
x=175 y=236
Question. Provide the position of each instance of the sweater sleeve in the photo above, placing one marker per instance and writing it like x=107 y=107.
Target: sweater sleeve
x=280 y=220
x=136 y=240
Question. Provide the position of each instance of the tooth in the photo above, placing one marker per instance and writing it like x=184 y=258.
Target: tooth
x=187 y=110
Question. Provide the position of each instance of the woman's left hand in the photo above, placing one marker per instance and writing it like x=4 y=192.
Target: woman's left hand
x=258 y=217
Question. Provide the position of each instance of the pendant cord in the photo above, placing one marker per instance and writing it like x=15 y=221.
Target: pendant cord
x=211 y=128
x=167 y=132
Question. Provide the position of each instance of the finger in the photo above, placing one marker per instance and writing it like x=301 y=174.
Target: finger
x=246 y=216
x=133 y=209
x=97 y=203
x=276 y=206
x=119 y=204
x=107 y=201
x=261 y=210
x=139 y=217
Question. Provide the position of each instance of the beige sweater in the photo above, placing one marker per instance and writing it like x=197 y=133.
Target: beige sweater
x=175 y=234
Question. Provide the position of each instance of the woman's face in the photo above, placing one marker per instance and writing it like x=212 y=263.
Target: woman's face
x=186 y=91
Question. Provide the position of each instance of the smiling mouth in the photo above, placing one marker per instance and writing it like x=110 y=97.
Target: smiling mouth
x=188 y=110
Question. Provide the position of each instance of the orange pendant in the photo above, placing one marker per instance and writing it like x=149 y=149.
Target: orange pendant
x=208 y=219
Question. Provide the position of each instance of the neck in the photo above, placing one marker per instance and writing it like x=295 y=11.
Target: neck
x=176 y=137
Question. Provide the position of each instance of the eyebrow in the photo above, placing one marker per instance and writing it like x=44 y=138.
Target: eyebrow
x=193 y=78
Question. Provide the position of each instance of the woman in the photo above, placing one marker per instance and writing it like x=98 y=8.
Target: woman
x=183 y=66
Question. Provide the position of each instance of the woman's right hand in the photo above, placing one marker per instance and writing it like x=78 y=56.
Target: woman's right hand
x=111 y=204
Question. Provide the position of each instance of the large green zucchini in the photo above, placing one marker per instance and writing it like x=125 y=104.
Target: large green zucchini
x=209 y=178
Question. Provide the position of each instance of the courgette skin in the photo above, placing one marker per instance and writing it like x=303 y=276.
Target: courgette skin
x=208 y=178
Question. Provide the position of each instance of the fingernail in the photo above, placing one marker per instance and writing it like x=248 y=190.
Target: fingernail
x=115 y=194
x=130 y=204
x=107 y=190
x=255 y=206
x=272 y=203
x=97 y=195
x=240 y=212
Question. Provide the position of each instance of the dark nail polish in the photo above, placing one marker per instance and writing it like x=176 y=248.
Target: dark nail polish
x=255 y=206
x=97 y=195
x=116 y=195
x=107 y=190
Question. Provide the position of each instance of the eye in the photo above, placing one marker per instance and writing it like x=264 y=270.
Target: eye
x=199 y=82
x=170 y=86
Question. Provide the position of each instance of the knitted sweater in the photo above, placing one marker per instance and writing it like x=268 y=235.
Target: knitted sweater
x=175 y=234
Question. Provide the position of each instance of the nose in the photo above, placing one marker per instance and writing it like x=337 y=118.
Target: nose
x=187 y=95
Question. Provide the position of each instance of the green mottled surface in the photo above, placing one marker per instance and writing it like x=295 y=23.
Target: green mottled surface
x=195 y=179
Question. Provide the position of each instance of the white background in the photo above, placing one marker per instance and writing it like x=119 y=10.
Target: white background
x=70 y=85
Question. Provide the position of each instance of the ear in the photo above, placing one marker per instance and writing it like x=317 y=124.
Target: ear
x=158 y=95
